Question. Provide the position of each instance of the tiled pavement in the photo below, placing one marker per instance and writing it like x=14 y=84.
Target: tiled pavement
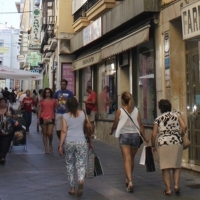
x=32 y=175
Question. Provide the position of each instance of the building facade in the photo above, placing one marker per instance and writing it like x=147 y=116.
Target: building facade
x=147 y=47
x=9 y=49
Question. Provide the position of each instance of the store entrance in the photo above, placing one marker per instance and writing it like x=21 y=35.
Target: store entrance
x=193 y=104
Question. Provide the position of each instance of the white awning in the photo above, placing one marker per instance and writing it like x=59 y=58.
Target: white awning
x=13 y=73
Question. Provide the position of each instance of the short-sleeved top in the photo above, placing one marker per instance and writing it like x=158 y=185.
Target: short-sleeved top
x=61 y=96
x=28 y=102
x=48 y=108
x=75 y=127
x=91 y=97
x=168 y=129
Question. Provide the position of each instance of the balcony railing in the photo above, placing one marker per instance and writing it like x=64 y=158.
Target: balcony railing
x=80 y=13
x=89 y=4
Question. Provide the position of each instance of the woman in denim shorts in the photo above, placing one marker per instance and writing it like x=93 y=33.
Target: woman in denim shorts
x=128 y=132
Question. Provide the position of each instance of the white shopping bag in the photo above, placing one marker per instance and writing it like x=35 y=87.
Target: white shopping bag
x=143 y=156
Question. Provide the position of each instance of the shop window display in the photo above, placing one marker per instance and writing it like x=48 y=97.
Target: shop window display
x=106 y=90
x=146 y=83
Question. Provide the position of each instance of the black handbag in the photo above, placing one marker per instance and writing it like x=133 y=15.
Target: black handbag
x=150 y=166
x=141 y=140
x=98 y=169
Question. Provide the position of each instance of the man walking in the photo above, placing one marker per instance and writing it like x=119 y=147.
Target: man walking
x=61 y=97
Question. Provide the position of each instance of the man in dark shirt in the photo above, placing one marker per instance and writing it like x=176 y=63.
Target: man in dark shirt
x=6 y=94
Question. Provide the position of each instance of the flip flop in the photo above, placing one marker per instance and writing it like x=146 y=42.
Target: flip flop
x=177 y=190
x=167 y=193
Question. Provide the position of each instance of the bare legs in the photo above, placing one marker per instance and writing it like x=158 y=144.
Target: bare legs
x=167 y=178
x=47 y=131
x=128 y=155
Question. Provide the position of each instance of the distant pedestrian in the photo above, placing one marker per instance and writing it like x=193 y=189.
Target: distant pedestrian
x=74 y=143
x=46 y=117
x=34 y=95
x=91 y=105
x=169 y=126
x=27 y=104
x=128 y=133
x=12 y=98
x=39 y=98
x=61 y=97
x=6 y=94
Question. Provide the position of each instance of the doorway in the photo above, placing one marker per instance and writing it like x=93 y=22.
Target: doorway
x=193 y=104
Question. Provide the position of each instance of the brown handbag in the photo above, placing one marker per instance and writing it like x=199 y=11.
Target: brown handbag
x=186 y=142
x=87 y=128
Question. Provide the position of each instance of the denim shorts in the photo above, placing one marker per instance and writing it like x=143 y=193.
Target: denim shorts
x=130 y=139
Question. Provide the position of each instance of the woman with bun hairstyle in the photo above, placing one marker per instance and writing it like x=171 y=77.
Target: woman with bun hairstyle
x=128 y=134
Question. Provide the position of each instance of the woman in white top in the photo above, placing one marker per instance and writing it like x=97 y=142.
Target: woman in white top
x=128 y=133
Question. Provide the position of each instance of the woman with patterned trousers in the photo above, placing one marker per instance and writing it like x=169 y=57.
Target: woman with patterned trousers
x=74 y=143
x=169 y=126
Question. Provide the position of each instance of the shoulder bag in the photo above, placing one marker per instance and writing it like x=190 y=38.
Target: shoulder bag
x=141 y=141
x=186 y=141
x=87 y=128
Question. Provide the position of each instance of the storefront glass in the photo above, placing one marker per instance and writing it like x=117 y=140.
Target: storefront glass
x=146 y=82
x=106 y=89
x=86 y=80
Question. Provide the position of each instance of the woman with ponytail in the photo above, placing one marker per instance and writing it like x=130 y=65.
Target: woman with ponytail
x=128 y=128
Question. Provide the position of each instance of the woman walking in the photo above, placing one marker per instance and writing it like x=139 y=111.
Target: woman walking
x=46 y=118
x=129 y=134
x=74 y=143
x=169 y=127
x=28 y=103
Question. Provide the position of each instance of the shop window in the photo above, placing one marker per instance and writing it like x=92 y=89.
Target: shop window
x=86 y=80
x=106 y=90
x=146 y=83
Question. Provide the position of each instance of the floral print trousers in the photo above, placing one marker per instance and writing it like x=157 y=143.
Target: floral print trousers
x=75 y=156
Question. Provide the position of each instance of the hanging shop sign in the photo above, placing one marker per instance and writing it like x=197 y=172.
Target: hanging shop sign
x=21 y=58
x=35 y=32
x=34 y=58
x=190 y=15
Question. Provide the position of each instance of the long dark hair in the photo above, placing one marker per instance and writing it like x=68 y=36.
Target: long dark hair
x=44 y=93
x=72 y=106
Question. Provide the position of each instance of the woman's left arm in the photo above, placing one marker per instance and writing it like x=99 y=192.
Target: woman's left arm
x=142 y=128
x=183 y=125
x=62 y=136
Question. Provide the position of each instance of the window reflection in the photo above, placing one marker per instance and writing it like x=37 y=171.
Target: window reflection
x=107 y=98
x=146 y=88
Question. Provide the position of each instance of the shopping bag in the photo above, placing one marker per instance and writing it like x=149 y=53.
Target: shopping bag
x=90 y=164
x=98 y=169
x=150 y=166
x=143 y=156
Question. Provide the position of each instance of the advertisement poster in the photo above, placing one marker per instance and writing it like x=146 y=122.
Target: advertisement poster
x=69 y=75
x=88 y=79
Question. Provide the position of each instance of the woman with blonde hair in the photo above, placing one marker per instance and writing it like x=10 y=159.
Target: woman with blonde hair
x=128 y=127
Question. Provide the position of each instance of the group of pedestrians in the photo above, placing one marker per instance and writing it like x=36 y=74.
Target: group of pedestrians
x=62 y=109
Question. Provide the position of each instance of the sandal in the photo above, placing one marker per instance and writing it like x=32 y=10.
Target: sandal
x=126 y=183
x=130 y=187
x=2 y=161
x=72 y=191
x=177 y=190
x=80 y=189
x=167 y=193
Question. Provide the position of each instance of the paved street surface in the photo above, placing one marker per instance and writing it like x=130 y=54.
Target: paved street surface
x=32 y=175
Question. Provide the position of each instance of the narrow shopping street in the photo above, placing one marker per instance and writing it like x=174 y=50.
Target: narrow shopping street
x=34 y=175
